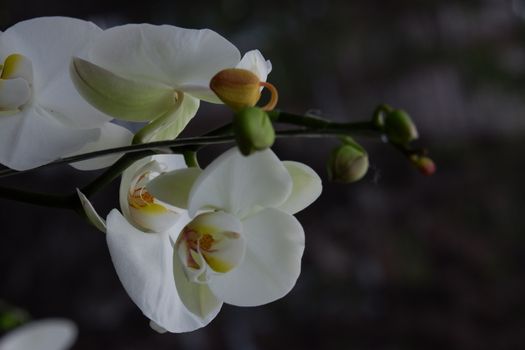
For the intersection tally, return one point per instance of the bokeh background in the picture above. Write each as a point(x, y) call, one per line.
point(396, 261)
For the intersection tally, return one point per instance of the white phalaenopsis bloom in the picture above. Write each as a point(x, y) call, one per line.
point(42, 117)
point(158, 74)
point(227, 235)
point(46, 334)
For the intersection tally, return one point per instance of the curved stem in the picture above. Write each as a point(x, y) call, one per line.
point(42, 199)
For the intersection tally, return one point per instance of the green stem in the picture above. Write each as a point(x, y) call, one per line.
point(312, 127)
point(113, 172)
point(192, 143)
point(42, 199)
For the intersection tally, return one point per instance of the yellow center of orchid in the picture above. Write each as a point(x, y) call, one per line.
point(210, 244)
point(145, 212)
point(16, 79)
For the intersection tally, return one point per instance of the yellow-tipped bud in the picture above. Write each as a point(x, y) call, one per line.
point(241, 88)
point(253, 130)
point(347, 163)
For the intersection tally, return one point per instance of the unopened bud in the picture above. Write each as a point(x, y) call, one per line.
point(399, 127)
point(241, 88)
point(424, 164)
point(347, 163)
point(253, 130)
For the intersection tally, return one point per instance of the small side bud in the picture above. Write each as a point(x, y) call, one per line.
point(347, 163)
point(399, 127)
point(240, 88)
point(253, 130)
point(424, 164)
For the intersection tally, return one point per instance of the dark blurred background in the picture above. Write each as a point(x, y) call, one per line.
point(396, 261)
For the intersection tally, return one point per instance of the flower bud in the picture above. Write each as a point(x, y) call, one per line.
point(253, 130)
point(424, 164)
point(241, 88)
point(399, 127)
point(347, 163)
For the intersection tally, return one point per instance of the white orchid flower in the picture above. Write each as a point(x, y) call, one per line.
point(158, 74)
point(46, 334)
point(227, 235)
point(42, 117)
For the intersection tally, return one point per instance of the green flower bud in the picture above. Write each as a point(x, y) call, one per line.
point(253, 130)
point(399, 127)
point(347, 163)
point(424, 164)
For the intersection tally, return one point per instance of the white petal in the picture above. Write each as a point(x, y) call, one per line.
point(166, 162)
point(144, 264)
point(156, 327)
point(91, 213)
point(272, 262)
point(13, 93)
point(170, 125)
point(46, 334)
point(50, 43)
point(197, 297)
point(120, 97)
point(255, 62)
point(111, 136)
point(171, 55)
point(174, 187)
point(238, 184)
point(307, 186)
point(32, 138)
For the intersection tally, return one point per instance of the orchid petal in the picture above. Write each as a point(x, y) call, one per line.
point(307, 186)
point(122, 98)
point(197, 297)
point(171, 55)
point(50, 42)
point(141, 209)
point(13, 94)
point(170, 125)
point(17, 66)
point(91, 213)
point(239, 184)
point(157, 328)
point(272, 261)
point(174, 187)
point(255, 62)
point(33, 137)
point(46, 334)
point(144, 264)
point(111, 136)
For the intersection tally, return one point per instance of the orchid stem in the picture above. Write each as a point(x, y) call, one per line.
point(311, 127)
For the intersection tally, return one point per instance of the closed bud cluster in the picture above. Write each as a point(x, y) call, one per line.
point(347, 163)
point(399, 127)
point(253, 130)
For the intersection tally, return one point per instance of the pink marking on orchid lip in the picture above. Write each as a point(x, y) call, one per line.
point(190, 238)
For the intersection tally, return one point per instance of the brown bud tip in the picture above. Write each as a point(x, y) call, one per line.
point(237, 88)
point(241, 88)
point(424, 164)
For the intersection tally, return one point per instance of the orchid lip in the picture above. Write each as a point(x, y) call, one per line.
point(212, 244)
point(144, 210)
point(16, 80)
